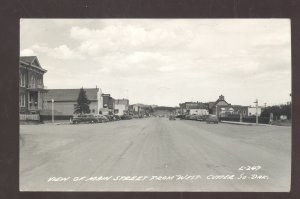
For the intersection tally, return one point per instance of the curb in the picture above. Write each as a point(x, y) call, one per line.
point(245, 124)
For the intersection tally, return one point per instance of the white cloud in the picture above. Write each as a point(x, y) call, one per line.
point(116, 37)
point(27, 52)
point(64, 52)
point(60, 52)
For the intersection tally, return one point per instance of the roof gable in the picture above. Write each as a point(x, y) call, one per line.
point(221, 103)
point(27, 59)
point(70, 95)
point(32, 61)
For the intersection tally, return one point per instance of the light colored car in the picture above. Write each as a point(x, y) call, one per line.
point(212, 119)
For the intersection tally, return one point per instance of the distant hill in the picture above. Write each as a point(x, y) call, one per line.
point(164, 108)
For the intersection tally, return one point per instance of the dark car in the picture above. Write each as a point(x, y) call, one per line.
point(187, 117)
point(116, 117)
point(212, 119)
point(84, 119)
point(201, 118)
point(126, 117)
point(193, 117)
point(109, 117)
point(172, 117)
point(101, 118)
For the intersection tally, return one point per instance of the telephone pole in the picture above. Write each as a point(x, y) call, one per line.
point(52, 100)
point(256, 105)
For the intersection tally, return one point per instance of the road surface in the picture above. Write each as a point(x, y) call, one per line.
point(154, 154)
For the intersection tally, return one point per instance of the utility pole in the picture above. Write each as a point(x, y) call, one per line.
point(256, 104)
point(52, 110)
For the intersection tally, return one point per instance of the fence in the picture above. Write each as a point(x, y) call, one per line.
point(261, 120)
point(29, 117)
point(56, 117)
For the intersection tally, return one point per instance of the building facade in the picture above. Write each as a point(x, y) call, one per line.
point(121, 106)
point(31, 85)
point(65, 100)
point(252, 111)
point(198, 112)
point(107, 105)
point(193, 108)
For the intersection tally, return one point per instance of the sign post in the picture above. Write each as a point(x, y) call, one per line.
point(52, 110)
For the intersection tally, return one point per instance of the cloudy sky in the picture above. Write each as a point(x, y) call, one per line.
point(165, 61)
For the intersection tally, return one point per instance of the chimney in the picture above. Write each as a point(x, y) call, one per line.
point(221, 97)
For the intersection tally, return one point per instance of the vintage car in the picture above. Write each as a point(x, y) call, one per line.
point(201, 118)
point(212, 119)
point(172, 117)
point(84, 118)
point(126, 117)
point(101, 118)
point(109, 117)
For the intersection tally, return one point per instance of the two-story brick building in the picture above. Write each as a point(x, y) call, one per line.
point(31, 86)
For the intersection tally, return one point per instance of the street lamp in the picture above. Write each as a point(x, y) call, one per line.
point(256, 105)
point(52, 100)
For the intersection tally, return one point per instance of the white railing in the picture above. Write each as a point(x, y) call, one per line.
point(24, 117)
point(35, 86)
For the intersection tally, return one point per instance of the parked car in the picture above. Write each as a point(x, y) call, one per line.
point(116, 117)
point(101, 118)
point(212, 119)
point(172, 117)
point(182, 117)
point(187, 117)
point(201, 118)
point(85, 118)
point(104, 119)
point(193, 117)
point(126, 117)
point(109, 117)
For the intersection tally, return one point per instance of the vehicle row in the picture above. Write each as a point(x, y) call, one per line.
point(90, 118)
point(207, 118)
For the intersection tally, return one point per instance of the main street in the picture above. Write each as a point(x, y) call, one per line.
point(154, 147)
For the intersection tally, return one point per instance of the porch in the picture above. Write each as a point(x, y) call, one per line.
point(35, 100)
point(29, 117)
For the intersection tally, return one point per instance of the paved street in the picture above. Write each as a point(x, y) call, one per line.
point(169, 150)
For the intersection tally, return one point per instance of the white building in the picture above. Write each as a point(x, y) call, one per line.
point(252, 111)
point(120, 109)
point(198, 112)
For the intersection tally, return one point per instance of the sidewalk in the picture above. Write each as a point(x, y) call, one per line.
point(245, 123)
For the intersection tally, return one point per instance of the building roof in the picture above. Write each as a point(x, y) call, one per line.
point(70, 95)
point(211, 104)
point(32, 61)
point(28, 59)
point(197, 106)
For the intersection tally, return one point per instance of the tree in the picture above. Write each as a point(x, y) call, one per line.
point(277, 110)
point(82, 105)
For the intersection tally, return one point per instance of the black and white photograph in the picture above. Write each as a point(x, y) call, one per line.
point(155, 105)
